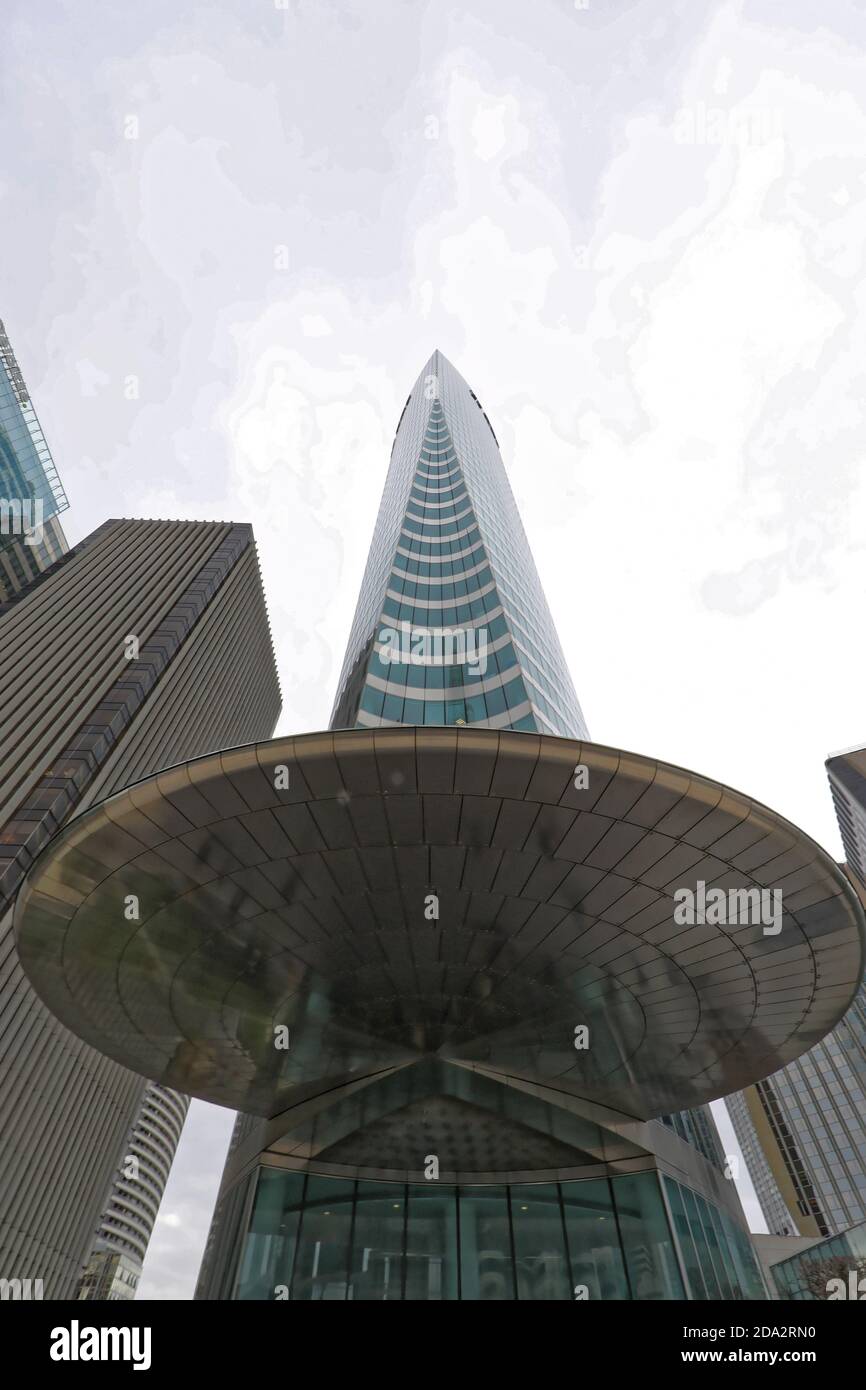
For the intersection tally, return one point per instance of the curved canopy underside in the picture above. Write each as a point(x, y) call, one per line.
point(262, 926)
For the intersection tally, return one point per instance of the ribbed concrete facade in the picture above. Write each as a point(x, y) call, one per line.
point(83, 715)
point(22, 562)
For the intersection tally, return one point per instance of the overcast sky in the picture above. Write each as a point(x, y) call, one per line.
point(234, 231)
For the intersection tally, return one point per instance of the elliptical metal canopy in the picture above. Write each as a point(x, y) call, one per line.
point(264, 925)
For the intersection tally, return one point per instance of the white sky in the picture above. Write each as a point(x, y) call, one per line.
point(637, 229)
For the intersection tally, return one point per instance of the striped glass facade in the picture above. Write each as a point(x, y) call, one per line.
point(452, 626)
point(31, 494)
point(27, 471)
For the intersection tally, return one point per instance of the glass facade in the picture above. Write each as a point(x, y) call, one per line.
point(313, 1237)
point(807, 1275)
point(813, 1111)
point(31, 495)
point(27, 472)
point(698, 1128)
point(742, 1106)
point(452, 626)
point(716, 1252)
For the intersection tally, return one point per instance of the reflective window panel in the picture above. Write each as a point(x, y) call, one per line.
point(313, 1237)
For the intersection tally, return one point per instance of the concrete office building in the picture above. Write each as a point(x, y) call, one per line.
point(125, 1227)
point(434, 954)
point(847, 774)
point(146, 644)
point(22, 561)
point(803, 1130)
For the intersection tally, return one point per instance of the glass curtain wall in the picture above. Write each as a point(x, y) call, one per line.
point(326, 1238)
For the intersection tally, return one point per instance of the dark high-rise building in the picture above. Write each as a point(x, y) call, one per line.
point(146, 644)
point(452, 962)
point(847, 774)
point(114, 1267)
point(803, 1130)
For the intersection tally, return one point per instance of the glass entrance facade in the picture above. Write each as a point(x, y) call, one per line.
point(314, 1237)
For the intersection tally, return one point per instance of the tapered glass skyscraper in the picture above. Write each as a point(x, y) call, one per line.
point(452, 626)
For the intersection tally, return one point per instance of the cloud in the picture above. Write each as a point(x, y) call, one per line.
point(638, 232)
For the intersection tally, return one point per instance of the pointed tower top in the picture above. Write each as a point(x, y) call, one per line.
point(437, 364)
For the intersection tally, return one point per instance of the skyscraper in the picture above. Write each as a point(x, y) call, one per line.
point(773, 1187)
point(114, 1267)
point(31, 494)
point(449, 553)
point(847, 774)
point(451, 960)
point(145, 644)
point(803, 1130)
